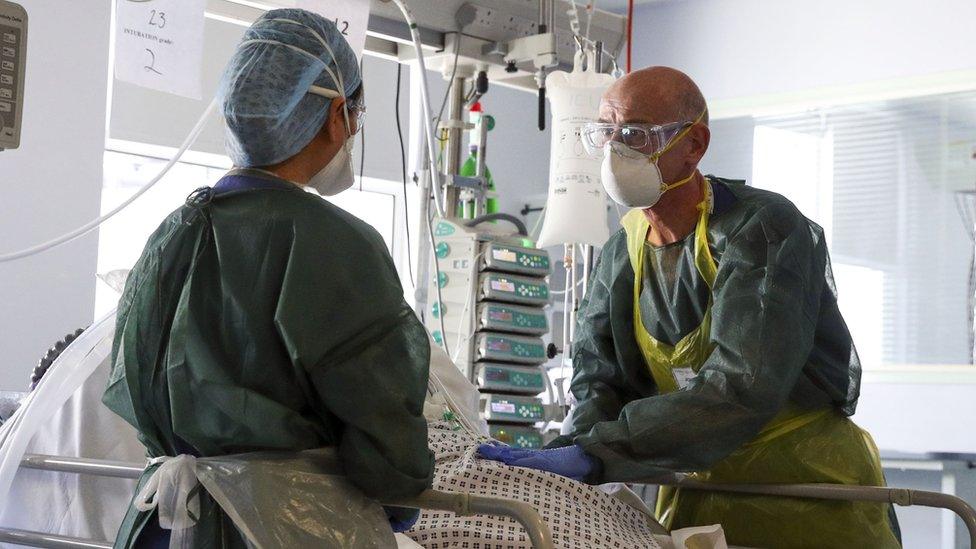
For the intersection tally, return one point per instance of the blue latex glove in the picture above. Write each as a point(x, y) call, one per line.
point(402, 519)
point(569, 461)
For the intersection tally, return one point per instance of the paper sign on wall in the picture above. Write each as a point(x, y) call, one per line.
point(159, 44)
point(350, 16)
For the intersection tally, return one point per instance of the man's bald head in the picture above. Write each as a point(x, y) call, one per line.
point(655, 95)
point(659, 96)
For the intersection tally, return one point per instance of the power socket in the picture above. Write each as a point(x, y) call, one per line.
point(497, 25)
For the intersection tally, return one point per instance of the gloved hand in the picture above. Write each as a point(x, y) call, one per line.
point(569, 461)
point(401, 518)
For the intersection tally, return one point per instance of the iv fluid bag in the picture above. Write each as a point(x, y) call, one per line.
point(576, 210)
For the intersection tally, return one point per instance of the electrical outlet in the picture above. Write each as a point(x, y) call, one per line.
point(498, 25)
point(484, 17)
point(523, 27)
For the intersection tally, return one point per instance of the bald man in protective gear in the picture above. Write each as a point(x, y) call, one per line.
point(710, 341)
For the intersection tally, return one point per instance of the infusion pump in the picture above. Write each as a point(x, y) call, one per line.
point(490, 313)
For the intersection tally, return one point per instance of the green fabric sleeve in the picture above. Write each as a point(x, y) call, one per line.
point(766, 301)
point(344, 320)
point(376, 387)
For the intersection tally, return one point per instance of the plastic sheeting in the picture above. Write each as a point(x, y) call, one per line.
point(451, 392)
point(69, 372)
point(69, 504)
point(9, 402)
point(294, 500)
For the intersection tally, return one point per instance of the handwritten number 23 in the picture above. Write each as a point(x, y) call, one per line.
point(158, 19)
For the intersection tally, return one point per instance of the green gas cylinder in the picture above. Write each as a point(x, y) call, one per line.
point(470, 169)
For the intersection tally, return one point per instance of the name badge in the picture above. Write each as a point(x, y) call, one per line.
point(683, 376)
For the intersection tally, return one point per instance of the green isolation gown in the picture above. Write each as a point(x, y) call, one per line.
point(727, 357)
point(262, 317)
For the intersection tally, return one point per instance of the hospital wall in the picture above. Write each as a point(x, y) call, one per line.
point(53, 182)
point(141, 115)
point(761, 57)
point(769, 49)
point(752, 53)
point(50, 295)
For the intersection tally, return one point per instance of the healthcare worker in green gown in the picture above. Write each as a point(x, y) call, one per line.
point(262, 317)
point(710, 341)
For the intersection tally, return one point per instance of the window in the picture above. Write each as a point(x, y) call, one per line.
point(122, 238)
point(892, 183)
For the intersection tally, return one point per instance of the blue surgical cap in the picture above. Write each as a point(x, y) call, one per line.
point(269, 114)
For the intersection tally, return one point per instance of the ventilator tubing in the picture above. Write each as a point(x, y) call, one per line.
point(91, 226)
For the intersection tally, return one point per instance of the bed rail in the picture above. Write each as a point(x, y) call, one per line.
point(37, 539)
point(898, 496)
point(462, 504)
point(467, 504)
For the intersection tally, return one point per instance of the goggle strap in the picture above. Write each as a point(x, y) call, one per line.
point(323, 92)
point(680, 135)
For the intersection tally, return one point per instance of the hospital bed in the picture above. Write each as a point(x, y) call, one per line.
point(459, 503)
point(95, 350)
point(529, 518)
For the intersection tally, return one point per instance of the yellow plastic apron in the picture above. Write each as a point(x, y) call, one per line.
point(795, 447)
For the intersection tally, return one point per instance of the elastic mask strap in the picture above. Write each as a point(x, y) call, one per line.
point(666, 188)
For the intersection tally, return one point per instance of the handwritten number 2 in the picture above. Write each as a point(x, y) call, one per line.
point(343, 27)
point(151, 67)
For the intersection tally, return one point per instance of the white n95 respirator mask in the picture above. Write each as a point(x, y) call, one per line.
point(632, 178)
point(336, 176)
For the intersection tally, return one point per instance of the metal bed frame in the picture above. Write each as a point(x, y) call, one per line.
point(841, 492)
point(461, 504)
point(467, 504)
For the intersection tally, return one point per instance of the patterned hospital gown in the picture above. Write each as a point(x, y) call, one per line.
point(580, 516)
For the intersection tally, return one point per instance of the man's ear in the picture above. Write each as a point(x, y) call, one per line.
point(699, 136)
point(335, 126)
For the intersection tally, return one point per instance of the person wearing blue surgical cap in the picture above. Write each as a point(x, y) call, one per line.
point(261, 317)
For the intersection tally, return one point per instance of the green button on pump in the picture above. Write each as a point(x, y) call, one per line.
point(442, 279)
point(444, 229)
point(442, 250)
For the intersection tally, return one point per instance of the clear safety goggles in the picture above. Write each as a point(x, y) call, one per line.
point(645, 138)
point(357, 110)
